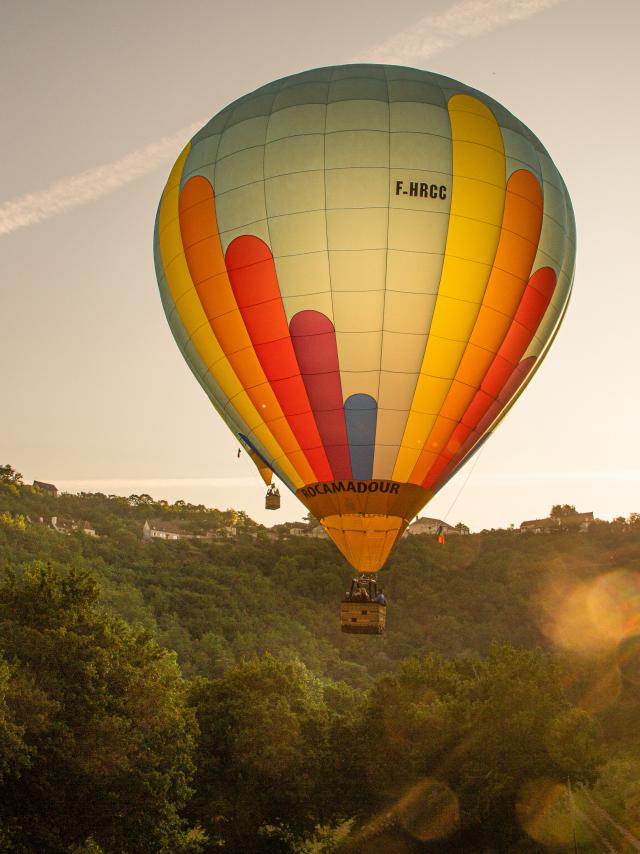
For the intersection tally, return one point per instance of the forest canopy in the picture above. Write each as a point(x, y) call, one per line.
point(198, 695)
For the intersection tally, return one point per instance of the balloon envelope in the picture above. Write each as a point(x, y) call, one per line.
point(363, 266)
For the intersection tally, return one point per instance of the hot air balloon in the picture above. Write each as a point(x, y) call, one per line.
point(364, 266)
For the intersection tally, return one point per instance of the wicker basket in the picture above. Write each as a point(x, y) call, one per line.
point(363, 618)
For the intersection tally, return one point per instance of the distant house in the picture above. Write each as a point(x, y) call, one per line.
point(67, 526)
point(318, 533)
point(49, 488)
point(61, 525)
point(226, 533)
point(539, 526)
point(154, 529)
point(576, 521)
point(425, 525)
point(297, 529)
point(301, 529)
point(87, 529)
point(573, 521)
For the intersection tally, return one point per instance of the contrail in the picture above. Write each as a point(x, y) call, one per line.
point(429, 36)
point(467, 19)
point(75, 190)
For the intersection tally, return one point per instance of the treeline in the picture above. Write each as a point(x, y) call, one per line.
point(114, 516)
point(191, 696)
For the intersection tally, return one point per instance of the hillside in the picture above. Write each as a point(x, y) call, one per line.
point(238, 598)
point(252, 610)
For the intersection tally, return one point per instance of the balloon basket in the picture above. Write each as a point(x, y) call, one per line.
point(363, 618)
point(272, 502)
point(360, 614)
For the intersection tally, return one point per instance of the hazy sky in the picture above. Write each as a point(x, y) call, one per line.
point(99, 98)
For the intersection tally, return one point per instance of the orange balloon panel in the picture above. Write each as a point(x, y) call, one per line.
point(364, 266)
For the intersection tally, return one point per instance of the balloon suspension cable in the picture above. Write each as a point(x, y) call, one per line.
point(247, 459)
point(464, 484)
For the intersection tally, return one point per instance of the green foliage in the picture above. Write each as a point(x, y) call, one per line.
point(266, 729)
point(263, 754)
point(215, 603)
point(10, 521)
point(103, 715)
point(9, 475)
point(618, 788)
point(483, 727)
point(14, 753)
point(558, 511)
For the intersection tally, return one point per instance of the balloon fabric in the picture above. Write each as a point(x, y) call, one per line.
point(364, 266)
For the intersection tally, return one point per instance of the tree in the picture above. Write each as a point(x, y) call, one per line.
point(260, 755)
point(14, 753)
point(104, 718)
point(481, 728)
point(10, 475)
point(559, 511)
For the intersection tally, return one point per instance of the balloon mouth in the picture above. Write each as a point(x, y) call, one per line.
point(364, 518)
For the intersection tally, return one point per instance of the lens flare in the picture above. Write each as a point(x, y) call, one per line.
point(614, 605)
point(429, 810)
point(594, 616)
point(603, 689)
point(544, 812)
point(629, 659)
